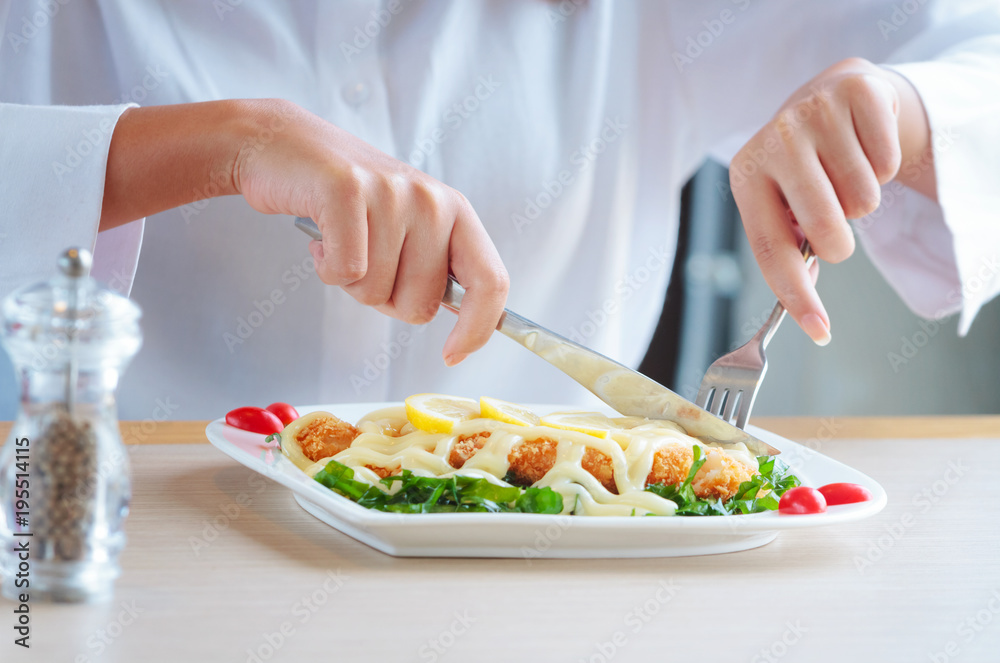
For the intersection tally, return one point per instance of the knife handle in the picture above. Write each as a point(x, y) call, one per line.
point(309, 227)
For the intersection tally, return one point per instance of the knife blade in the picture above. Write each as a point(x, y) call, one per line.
point(628, 392)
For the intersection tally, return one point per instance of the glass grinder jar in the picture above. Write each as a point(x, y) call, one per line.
point(64, 472)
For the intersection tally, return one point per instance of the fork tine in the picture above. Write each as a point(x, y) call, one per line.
point(746, 405)
point(705, 394)
point(719, 401)
point(735, 398)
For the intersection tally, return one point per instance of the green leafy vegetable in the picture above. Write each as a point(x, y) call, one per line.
point(760, 493)
point(418, 494)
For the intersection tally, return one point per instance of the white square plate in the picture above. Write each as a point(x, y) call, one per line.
point(533, 535)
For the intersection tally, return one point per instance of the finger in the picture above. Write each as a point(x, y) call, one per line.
point(874, 110)
point(849, 171)
point(422, 270)
point(344, 224)
point(776, 249)
point(386, 232)
point(811, 198)
point(422, 274)
point(477, 266)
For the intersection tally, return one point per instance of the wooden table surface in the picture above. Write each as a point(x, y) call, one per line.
point(222, 565)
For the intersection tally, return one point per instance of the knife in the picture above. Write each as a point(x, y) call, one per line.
point(628, 392)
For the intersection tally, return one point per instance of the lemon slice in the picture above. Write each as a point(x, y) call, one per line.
point(591, 423)
point(437, 413)
point(511, 413)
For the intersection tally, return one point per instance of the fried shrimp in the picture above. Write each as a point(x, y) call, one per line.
point(325, 436)
point(600, 465)
point(531, 460)
point(720, 476)
point(670, 464)
point(465, 447)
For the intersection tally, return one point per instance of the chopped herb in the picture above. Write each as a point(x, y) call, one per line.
point(760, 493)
point(418, 494)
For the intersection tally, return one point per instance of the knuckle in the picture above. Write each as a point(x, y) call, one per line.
point(459, 198)
point(765, 248)
point(833, 241)
point(385, 186)
point(370, 295)
point(432, 205)
point(819, 99)
point(495, 283)
point(420, 313)
point(426, 196)
point(785, 124)
point(864, 201)
point(350, 188)
point(502, 282)
point(789, 296)
point(346, 272)
point(886, 161)
point(856, 87)
point(744, 172)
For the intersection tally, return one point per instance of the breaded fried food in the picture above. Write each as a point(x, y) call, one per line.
point(384, 472)
point(465, 447)
point(531, 460)
point(671, 465)
point(600, 465)
point(720, 476)
point(325, 436)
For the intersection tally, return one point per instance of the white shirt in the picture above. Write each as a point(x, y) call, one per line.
point(570, 126)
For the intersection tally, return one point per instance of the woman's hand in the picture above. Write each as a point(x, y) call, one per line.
point(390, 232)
point(819, 162)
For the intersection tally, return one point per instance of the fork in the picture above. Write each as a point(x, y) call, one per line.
point(731, 383)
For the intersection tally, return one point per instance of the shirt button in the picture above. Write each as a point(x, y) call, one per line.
point(356, 94)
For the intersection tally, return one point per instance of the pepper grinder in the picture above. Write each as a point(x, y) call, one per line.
point(64, 471)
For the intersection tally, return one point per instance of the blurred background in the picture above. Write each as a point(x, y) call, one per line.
point(883, 359)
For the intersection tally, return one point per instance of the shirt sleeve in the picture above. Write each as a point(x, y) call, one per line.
point(942, 257)
point(53, 161)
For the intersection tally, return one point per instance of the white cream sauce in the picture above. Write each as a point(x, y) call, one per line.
point(631, 449)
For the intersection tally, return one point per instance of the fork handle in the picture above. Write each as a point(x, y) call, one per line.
point(778, 313)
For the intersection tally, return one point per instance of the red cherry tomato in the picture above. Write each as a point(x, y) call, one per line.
point(255, 420)
point(283, 411)
point(845, 493)
point(802, 500)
